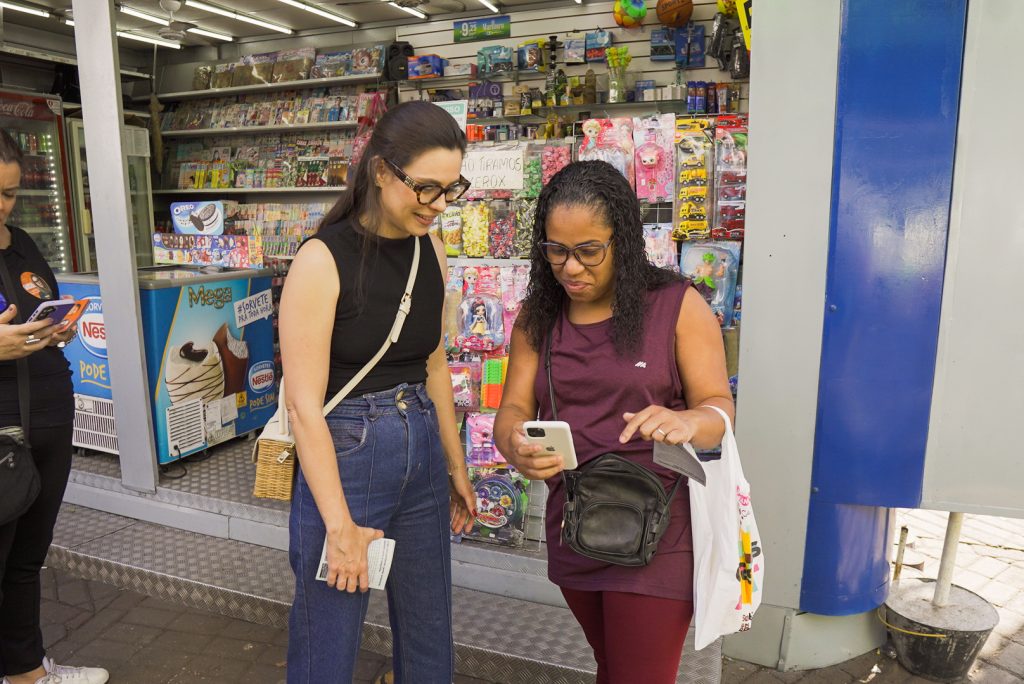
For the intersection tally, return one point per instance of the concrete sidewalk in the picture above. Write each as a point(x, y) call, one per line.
point(148, 641)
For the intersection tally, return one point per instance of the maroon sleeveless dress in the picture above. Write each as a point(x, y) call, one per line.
point(594, 386)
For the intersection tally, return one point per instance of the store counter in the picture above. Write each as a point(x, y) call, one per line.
point(209, 345)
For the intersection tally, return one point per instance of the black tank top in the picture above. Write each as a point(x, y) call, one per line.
point(360, 327)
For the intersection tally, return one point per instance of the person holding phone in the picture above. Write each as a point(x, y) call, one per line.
point(25, 540)
point(634, 349)
point(388, 460)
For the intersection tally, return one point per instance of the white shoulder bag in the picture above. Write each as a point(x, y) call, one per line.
point(274, 453)
point(728, 563)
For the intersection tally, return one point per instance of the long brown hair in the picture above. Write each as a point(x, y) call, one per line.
point(9, 150)
point(403, 133)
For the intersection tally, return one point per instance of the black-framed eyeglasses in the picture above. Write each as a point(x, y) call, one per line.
point(587, 253)
point(427, 193)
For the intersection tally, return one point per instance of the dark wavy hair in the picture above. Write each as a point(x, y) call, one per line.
point(598, 186)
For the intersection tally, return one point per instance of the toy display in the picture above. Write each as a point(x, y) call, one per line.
point(690, 42)
point(492, 382)
point(452, 301)
point(609, 140)
point(494, 59)
point(693, 164)
point(674, 12)
point(713, 268)
point(531, 55)
point(465, 376)
point(597, 44)
point(655, 157)
point(730, 180)
point(502, 502)
point(514, 283)
point(481, 321)
point(661, 249)
point(629, 13)
point(480, 449)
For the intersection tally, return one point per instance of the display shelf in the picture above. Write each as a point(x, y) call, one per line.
point(261, 88)
point(44, 56)
point(486, 261)
point(246, 191)
point(37, 193)
point(501, 77)
point(662, 106)
point(259, 130)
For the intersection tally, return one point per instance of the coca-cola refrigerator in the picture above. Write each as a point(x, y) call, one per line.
point(36, 123)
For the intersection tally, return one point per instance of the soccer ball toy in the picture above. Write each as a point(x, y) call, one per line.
point(630, 13)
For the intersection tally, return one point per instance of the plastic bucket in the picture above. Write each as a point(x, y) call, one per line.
point(938, 643)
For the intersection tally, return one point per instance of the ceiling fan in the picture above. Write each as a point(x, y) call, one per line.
point(175, 30)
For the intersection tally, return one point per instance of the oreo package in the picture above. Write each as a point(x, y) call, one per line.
point(198, 218)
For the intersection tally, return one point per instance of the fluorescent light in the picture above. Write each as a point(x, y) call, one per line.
point(410, 10)
point(26, 10)
point(491, 7)
point(130, 11)
point(237, 16)
point(147, 39)
point(320, 12)
point(211, 34)
point(69, 22)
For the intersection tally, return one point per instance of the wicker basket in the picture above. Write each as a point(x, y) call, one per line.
point(275, 469)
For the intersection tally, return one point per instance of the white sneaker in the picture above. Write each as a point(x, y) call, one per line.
point(45, 679)
point(65, 674)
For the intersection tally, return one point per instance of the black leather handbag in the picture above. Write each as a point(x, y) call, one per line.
point(615, 510)
point(19, 478)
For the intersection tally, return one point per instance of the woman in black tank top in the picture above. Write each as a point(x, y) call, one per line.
point(387, 462)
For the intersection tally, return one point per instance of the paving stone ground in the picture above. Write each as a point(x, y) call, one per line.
point(144, 640)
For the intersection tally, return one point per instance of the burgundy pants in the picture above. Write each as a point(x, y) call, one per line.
point(635, 638)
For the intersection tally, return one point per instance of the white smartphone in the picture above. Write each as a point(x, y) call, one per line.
point(555, 436)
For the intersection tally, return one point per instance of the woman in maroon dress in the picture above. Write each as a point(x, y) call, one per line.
point(636, 354)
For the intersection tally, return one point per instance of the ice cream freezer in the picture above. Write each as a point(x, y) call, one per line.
point(209, 344)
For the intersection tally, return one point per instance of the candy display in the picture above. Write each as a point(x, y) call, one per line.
point(713, 267)
point(229, 251)
point(476, 228)
point(502, 231)
point(609, 140)
point(451, 230)
point(655, 157)
point(526, 211)
point(502, 502)
point(555, 157)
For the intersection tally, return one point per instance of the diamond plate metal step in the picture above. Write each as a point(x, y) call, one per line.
point(539, 644)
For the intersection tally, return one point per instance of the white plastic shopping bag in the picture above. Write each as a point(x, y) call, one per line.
point(728, 564)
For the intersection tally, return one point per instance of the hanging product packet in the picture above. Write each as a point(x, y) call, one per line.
point(713, 267)
point(452, 301)
point(654, 162)
point(597, 44)
point(502, 505)
point(575, 48)
point(609, 140)
point(481, 322)
point(661, 248)
point(693, 170)
point(502, 230)
point(451, 230)
point(526, 213)
point(476, 227)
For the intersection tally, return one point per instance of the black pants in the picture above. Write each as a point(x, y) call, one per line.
point(23, 546)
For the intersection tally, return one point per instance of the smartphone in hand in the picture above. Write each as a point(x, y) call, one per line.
point(59, 311)
point(555, 436)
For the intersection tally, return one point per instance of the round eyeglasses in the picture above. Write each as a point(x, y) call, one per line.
point(588, 253)
point(427, 193)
